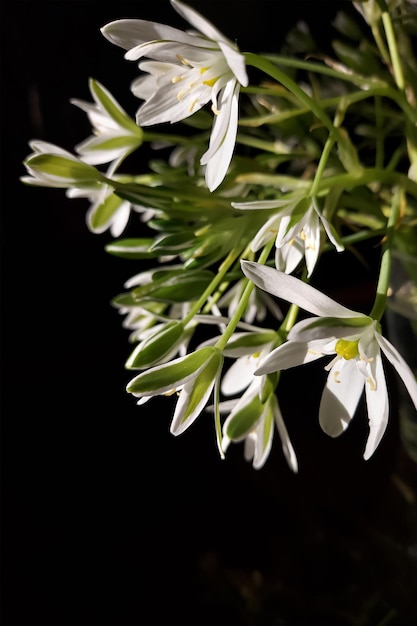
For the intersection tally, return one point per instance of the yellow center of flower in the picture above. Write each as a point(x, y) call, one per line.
point(347, 349)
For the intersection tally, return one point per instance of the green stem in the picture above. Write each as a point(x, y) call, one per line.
point(290, 319)
point(392, 45)
point(322, 164)
point(223, 269)
point(272, 70)
point(379, 147)
point(237, 315)
point(385, 269)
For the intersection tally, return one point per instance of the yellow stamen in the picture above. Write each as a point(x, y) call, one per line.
point(182, 60)
point(347, 349)
point(210, 82)
point(177, 79)
point(371, 383)
point(192, 105)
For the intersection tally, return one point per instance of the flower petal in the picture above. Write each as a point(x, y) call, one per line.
point(288, 355)
point(295, 291)
point(378, 408)
point(340, 397)
point(128, 33)
point(195, 394)
point(402, 367)
point(223, 137)
point(287, 447)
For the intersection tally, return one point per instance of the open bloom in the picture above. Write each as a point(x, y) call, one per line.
point(184, 71)
point(297, 229)
point(355, 342)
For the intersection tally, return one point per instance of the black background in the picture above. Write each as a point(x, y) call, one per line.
point(106, 517)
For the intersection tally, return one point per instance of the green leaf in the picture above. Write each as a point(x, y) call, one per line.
point(153, 349)
point(175, 286)
point(174, 243)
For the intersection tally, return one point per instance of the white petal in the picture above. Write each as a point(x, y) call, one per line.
point(259, 204)
point(288, 255)
point(290, 354)
point(224, 135)
point(198, 21)
point(340, 397)
point(295, 291)
point(178, 426)
point(130, 33)
point(329, 232)
point(287, 447)
point(165, 106)
point(378, 408)
point(120, 219)
point(239, 375)
point(308, 330)
point(265, 233)
point(312, 241)
point(264, 433)
point(236, 62)
point(402, 367)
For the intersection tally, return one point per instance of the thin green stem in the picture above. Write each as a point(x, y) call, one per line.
point(223, 269)
point(272, 70)
point(385, 268)
point(290, 319)
point(392, 45)
point(240, 309)
point(322, 164)
point(379, 147)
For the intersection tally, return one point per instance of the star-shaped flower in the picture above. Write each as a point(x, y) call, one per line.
point(185, 71)
point(297, 228)
point(355, 342)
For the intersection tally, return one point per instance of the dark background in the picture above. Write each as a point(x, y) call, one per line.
point(107, 519)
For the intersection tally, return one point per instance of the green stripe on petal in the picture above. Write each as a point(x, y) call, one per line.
point(164, 378)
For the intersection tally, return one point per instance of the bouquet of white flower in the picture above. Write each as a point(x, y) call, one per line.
point(297, 158)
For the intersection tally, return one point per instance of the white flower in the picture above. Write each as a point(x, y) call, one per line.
point(297, 229)
point(115, 134)
point(193, 376)
point(185, 71)
point(106, 211)
point(355, 341)
point(52, 166)
point(250, 419)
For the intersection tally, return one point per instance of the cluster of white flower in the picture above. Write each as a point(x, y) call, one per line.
point(303, 187)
